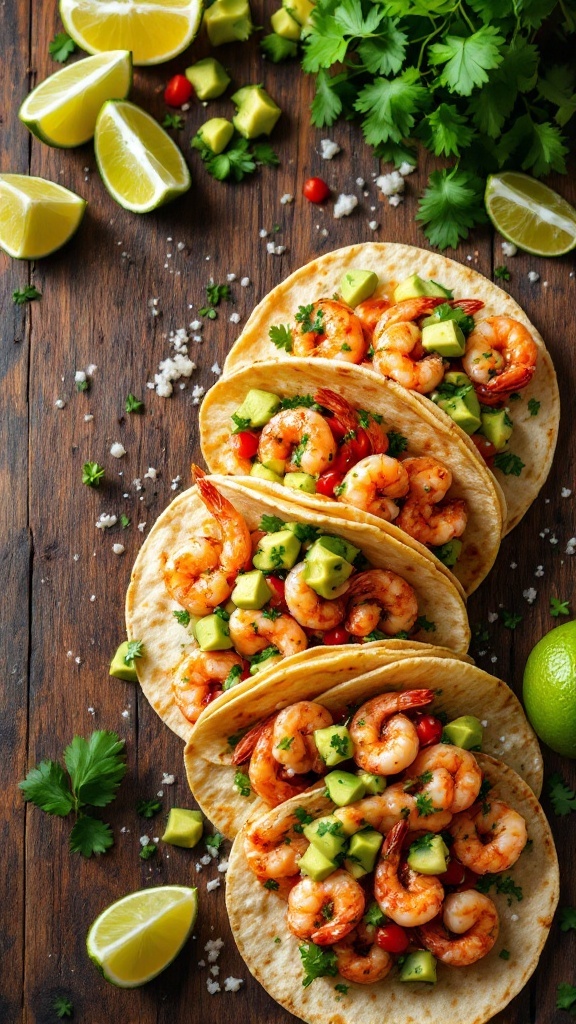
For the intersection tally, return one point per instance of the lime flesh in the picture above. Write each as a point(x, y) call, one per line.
point(36, 216)
point(549, 689)
point(154, 30)
point(530, 214)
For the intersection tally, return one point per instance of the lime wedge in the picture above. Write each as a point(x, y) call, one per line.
point(140, 165)
point(530, 214)
point(138, 936)
point(62, 110)
point(155, 31)
point(36, 216)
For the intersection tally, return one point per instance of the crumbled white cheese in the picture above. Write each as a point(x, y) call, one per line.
point(232, 984)
point(198, 867)
point(223, 866)
point(571, 546)
point(216, 369)
point(151, 473)
point(263, 233)
point(78, 660)
point(328, 149)
point(196, 325)
point(214, 884)
point(395, 200)
point(125, 714)
point(513, 917)
point(105, 521)
point(390, 184)
point(492, 616)
point(275, 250)
point(230, 278)
point(118, 549)
point(373, 225)
point(141, 527)
point(167, 780)
point(533, 277)
point(201, 963)
point(60, 403)
point(206, 860)
point(144, 840)
point(197, 394)
point(406, 168)
point(215, 970)
point(270, 247)
point(93, 598)
point(213, 947)
point(539, 570)
point(79, 377)
point(91, 370)
point(484, 723)
point(175, 483)
point(286, 198)
point(137, 484)
point(344, 205)
point(175, 367)
point(565, 492)
point(509, 249)
point(235, 318)
point(88, 418)
point(553, 540)
point(117, 450)
point(244, 282)
point(360, 182)
point(529, 595)
point(212, 986)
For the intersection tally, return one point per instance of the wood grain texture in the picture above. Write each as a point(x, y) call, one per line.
point(64, 588)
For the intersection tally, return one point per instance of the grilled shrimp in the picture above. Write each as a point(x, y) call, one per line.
point(324, 912)
point(386, 741)
point(337, 333)
point(460, 764)
point(299, 437)
point(293, 738)
point(307, 607)
point(421, 516)
point(267, 853)
point(349, 420)
point(267, 775)
point(466, 931)
point(409, 898)
point(360, 959)
point(396, 804)
point(398, 348)
point(252, 631)
point(199, 678)
point(488, 837)
point(372, 484)
point(380, 599)
point(500, 357)
point(369, 313)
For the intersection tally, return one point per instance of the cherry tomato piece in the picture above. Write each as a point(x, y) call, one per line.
point(178, 91)
point(315, 190)
point(484, 446)
point(470, 880)
point(245, 444)
point(328, 481)
point(337, 427)
point(277, 588)
point(454, 874)
point(338, 635)
point(429, 729)
point(362, 444)
point(392, 938)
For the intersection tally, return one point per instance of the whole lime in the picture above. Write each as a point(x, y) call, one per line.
point(549, 689)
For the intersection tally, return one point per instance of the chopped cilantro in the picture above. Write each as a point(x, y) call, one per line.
point(422, 843)
point(340, 745)
point(277, 49)
point(208, 311)
point(125, 521)
point(133, 404)
point(271, 884)
point(148, 851)
point(566, 996)
point(271, 613)
point(558, 607)
point(423, 623)
point(83, 385)
point(510, 619)
point(504, 884)
point(341, 988)
point(533, 406)
point(567, 919)
point(222, 613)
point(285, 743)
point(214, 841)
point(182, 616)
point(217, 292)
point(148, 808)
point(242, 783)
point(134, 650)
point(61, 47)
point(396, 443)
point(299, 401)
point(317, 962)
point(268, 652)
point(376, 634)
point(306, 533)
point(62, 1007)
point(502, 273)
point(302, 815)
point(308, 323)
point(504, 954)
point(456, 313)
point(299, 450)
point(562, 797)
point(271, 524)
point(27, 294)
point(374, 915)
point(277, 940)
point(240, 158)
point(92, 474)
point(328, 911)
point(175, 121)
point(281, 336)
point(232, 678)
point(424, 805)
point(330, 828)
point(508, 463)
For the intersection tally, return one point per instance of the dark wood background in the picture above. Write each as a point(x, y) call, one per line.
point(56, 641)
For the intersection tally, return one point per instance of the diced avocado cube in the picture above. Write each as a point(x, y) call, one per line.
point(263, 473)
point(228, 21)
point(118, 667)
point(449, 553)
point(465, 732)
point(337, 545)
point(216, 133)
point(344, 788)
point(260, 666)
point(327, 835)
point(300, 482)
point(415, 286)
point(445, 337)
point(212, 634)
point(358, 285)
point(278, 550)
point(497, 427)
point(183, 828)
point(251, 590)
point(374, 784)
point(334, 744)
point(315, 864)
point(362, 852)
point(257, 408)
point(327, 575)
point(457, 378)
point(240, 95)
point(428, 855)
point(208, 78)
point(257, 114)
point(299, 9)
point(419, 966)
point(276, 466)
point(458, 410)
point(285, 25)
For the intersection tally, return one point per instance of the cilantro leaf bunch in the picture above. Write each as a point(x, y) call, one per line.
point(478, 82)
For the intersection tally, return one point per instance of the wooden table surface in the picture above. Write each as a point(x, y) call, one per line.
point(62, 612)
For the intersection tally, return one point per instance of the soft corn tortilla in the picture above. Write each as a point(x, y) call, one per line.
point(365, 389)
point(467, 995)
point(534, 437)
point(149, 607)
point(340, 681)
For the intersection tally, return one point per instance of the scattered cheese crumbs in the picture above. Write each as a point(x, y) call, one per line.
point(79, 377)
point(493, 659)
point(168, 780)
point(215, 970)
point(198, 867)
point(91, 370)
point(529, 595)
point(216, 369)
point(206, 859)
point(197, 393)
point(196, 325)
point(406, 168)
point(212, 851)
point(230, 278)
point(565, 492)
point(201, 963)
point(324, 232)
point(513, 917)
point(328, 149)
point(175, 367)
point(144, 840)
point(213, 947)
point(88, 417)
point(214, 884)
point(344, 205)
point(93, 598)
point(181, 245)
point(395, 200)
point(125, 714)
point(390, 184)
point(533, 277)
point(117, 450)
point(105, 521)
point(212, 986)
point(539, 570)
point(571, 546)
point(513, 565)
point(151, 473)
point(244, 282)
point(509, 249)
point(118, 549)
point(175, 483)
point(141, 527)
point(360, 182)
point(60, 403)
point(232, 984)
point(78, 660)
point(76, 558)
point(484, 723)
point(492, 616)
point(286, 198)
point(373, 225)
point(235, 318)
point(223, 866)
point(263, 233)
point(275, 250)
point(137, 484)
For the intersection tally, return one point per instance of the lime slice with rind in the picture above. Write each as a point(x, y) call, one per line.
point(134, 939)
point(62, 110)
point(529, 214)
point(36, 216)
point(154, 31)
point(141, 166)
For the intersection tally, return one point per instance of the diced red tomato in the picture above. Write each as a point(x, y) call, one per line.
point(429, 728)
point(470, 881)
point(245, 443)
point(245, 670)
point(338, 429)
point(454, 874)
point(352, 451)
point(338, 635)
point(315, 190)
point(178, 91)
point(277, 588)
point(484, 446)
point(328, 481)
point(392, 938)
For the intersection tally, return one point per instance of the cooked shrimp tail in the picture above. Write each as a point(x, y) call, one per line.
point(404, 895)
point(386, 741)
point(466, 931)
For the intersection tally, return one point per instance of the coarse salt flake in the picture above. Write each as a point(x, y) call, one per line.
point(79, 377)
point(286, 198)
point(223, 866)
point(263, 233)
point(492, 616)
point(235, 318)
point(151, 473)
point(571, 546)
point(232, 984)
point(141, 527)
point(117, 450)
point(216, 369)
point(105, 521)
point(509, 249)
point(214, 884)
point(88, 418)
point(529, 595)
point(328, 149)
point(197, 394)
point(213, 947)
point(60, 403)
point(533, 277)
point(539, 570)
point(390, 184)
point(565, 492)
point(230, 278)
point(344, 205)
point(167, 780)
point(118, 549)
point(212, 986)
point(406, 168)
point(196, 325)
point(373, 225)
point(144, 840)
point(245, 282)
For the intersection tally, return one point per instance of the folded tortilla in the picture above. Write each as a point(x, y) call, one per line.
point(466, 995)
point(534, 437)
point(150, 609)
point(349, 679)
point(365, 389)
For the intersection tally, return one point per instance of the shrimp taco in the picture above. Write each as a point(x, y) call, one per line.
point(333, 432)
point(369, 711)
point(389, 919)
point(439, 329)
point(230, 583)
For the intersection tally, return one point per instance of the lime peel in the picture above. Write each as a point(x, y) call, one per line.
point(549, 689)
point(37, 216)
point(529, 214)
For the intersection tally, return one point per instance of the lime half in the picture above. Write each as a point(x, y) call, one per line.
point(140, 164)
point(62, 110)
point(138, 936)
point(530, 214)
point(36, 216)
point(549, 689)
point(154, 30)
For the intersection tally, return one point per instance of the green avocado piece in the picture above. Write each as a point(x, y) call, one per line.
point(419, 966)
point(264, 473)
point(257, 113)
point(374, 784)
point(285, 25)
point(428, 855)
point(327, 574)
point(251, 590)
point(413, 287)
point(257, 409)
point(458, 410)
point(260, 666)
point(460, 380)
point(216, 133)
point(276, 466)
point(445, 337)
point(449, 553)
point(337, 545)
point(241, 94)
point(344, 788)
point(300, 482)
point(212, 634)
point(465, 732)
point(497, 427)
point(278, 550)
point(362, 852)
point(228, 21)
point(299, 9)
point(334, 744)
point(315, 864)
point(358, 285)
point(208, 78)
point(327, 835)
point(118, 667)
point(183, 828)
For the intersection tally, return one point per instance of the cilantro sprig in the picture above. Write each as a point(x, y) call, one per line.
point(61, 47)
point(239, 160)
point(317, 962)
point(27, 294)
